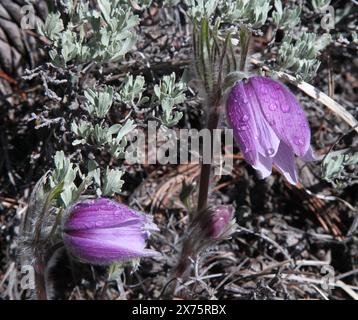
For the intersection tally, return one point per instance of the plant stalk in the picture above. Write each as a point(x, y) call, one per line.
point(245, 36)
point(212, 123)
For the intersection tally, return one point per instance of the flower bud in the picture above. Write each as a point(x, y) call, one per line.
point(222, 222)
point(102, 231)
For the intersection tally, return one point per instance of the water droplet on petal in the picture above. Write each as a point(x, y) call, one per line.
point(285, 107)
point(272, 107)
point(298, 141)
point(245, 117)
point(242, 128)
point(270, 152)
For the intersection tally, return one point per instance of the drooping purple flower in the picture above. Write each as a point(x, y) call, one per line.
point(269, 126)
point(102, 231)
point(223, 223)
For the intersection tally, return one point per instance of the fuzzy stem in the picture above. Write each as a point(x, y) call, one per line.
point(205, 173)
point(40, 281)
point(41, 293)
point(245, 36)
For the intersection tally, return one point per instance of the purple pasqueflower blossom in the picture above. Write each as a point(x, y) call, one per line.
point(222, 223)
point(102, 231)
point(269, 126)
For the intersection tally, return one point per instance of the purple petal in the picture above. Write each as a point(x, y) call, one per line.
point(241, 119)
point(284, 113)
point(252, 132)
point(267, 140)
point(285, 163)
point(103, 246)
point(100, 213)
point(309, 155)
point(263, 166)
point(221, 220)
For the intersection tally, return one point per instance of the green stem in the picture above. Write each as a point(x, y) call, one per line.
point(245, 36)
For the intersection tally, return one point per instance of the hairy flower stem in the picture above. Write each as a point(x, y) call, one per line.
point(213, 119)
point(213, 84)
point(212, 123)
point(188, 249)
point(40, 281)
point(245, 36)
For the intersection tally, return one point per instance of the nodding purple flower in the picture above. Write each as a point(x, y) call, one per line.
point(223, 223)
point(102, 231)
point(269, 126)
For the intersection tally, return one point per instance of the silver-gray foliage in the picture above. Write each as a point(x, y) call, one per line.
point(112, 33)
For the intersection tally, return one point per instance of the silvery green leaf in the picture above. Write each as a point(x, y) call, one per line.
point(157, 91)
point(141, 4)
point(170, 93)
point(114, 128)
point(99, 103)
point(64, 173)
point(318, 4)
point(100, 135)
point(120, 49)
point(94, 172)
point(82, 130)
point(172, 119)
point(52, 26)
point(323, 42)
point(279, 9)
point(198, 9)
point(105, 37)
point(111, 38)
point(105, 7)
point(112, 182)
point(69, 45)
point(127, 128)
point(132, 90)
point(300, 55)
point(335, 162)
point(117, 149)
point(252, 13)
point(118, 144)
point(67, 195)
point(286, 18)
point(171, 3)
